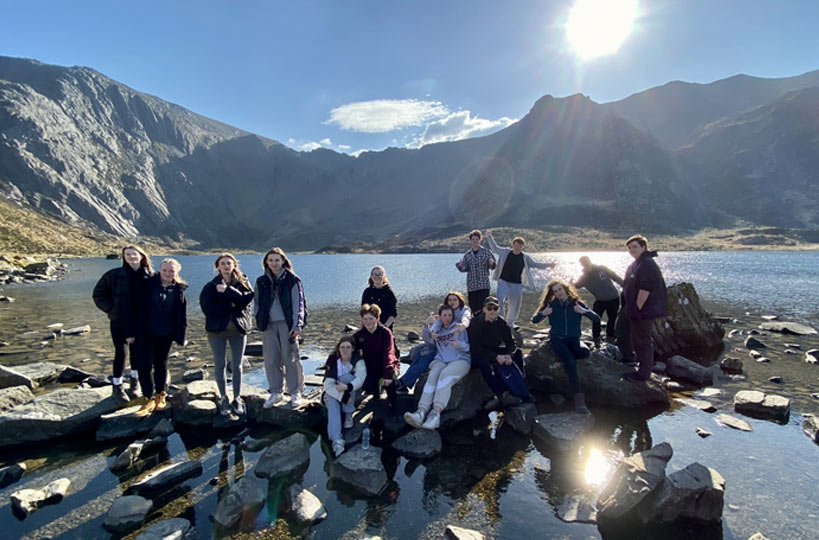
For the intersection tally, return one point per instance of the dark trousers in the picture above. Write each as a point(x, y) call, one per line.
point(154, 357)
point(488, 369)
point(371, 386)
point(609, 307)
point(476, 299)
point(569, 350)
point(635, 342)
point(120, 347)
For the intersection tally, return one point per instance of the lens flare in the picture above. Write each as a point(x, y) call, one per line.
point(598, 468)
point(598, 27)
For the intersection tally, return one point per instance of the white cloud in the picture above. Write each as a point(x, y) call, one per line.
point(291, 140)
point(309, 147)
point(457, 126)
point(344, 147)
point(326, 142)
point(384, 115)
point(359, 152)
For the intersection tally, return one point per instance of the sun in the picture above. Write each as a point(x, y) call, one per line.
point(598, 27)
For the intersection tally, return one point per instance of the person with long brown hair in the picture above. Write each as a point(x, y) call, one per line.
point(380, 293)
point(280, 314)
point(344, 375)
point(117, 293)
point(562, 305)
point(225, 301)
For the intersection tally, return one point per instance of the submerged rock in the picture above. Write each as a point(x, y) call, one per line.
point(169, 529)
point(11, 474)
point(242, 502)
point(459, 533)
point(786, 327)
point(361, 469)
point(680, 367)
point(126, 514)
point(304, 506)
point(135, 450)
point(12, 396)
point(732, 422)
point(26, 501)
point(753, 343)
point(561, 430)
point(284, 457)
point(576, 510)
point(730, 364)
point(760, 405)
point(419, 443)
point(165, 478)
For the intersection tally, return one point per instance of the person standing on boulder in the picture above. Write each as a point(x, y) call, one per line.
point(374, 343)
point(513, 272)
point(565, 310)
point(117, 293)
point(280, 315)
point(644, 299)
point(599, 281)
point(225, 301)
point(476, 263)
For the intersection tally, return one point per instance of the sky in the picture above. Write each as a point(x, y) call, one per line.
point(364, 75)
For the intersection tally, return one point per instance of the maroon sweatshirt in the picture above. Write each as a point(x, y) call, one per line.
point(377, 351)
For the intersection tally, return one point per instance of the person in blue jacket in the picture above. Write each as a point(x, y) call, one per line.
point(565, 310)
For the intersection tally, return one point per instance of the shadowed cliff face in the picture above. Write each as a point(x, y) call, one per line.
point(88, 150)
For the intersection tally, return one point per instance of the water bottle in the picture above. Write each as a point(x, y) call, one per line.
point(365, 438)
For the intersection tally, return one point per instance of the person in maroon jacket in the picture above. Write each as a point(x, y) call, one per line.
point(374, 343)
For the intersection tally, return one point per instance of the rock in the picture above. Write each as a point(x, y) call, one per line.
point(769, 317)
point(730, 364)
point(790, 351)
point(254, 348)
point(348, 328)
point(55, 326)
point(361, 469)
point(135, 450)
point(125, 424)
point(12, 396)
point(733, 422)
point(702, 432)
point(77, 331)
point(40, 372)
point(793, 345)
point(810, 426)
point(763, 360)
point(308, 414)
point(633, 480)
point(562, 429)
point(758, 536)
point(688, 325)
point(194, 375)
point(413, 336)
point(700, 404)
point(815, 395)
point(459, 533)
point(812, 356)
point(165, 478)
point(576, 510)
point(760, 405)
point(97, 381)
point(694, 494)
point(199, 412)
point(163, 429)
point(753, 332)
point(521, 418)
point(419, 443)
point(680, 367)
point(673, 386)
point(753, 343)
point(786, 327)
point(734, 333)
point(659, 367)
point(754, 354)
point(775, 379)
point(304, 506)
point(71, 374)
point(284, 457)
point(708, 393)
point(169, 529)
point(254, 445)
point(200, 390)
point(242, 502)
point(26, 501)
point(55, 414)
point(466, 400)
point(557, 399)
point(126, 514)
point(8, 299)
point(11, 474)
point(228, 422)
point(601, 375)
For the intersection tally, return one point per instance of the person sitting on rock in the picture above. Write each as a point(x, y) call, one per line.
point(344, 376)
point(421, 355)
point(374, 343)
point(498, 358)
point(599, 281)
point(450, 365)
point(563, 307)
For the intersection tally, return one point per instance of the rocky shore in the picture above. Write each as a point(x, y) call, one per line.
point(29, 269)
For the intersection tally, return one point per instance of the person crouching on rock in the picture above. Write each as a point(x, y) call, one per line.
point(344, 376)
point(164, 319)
point(565, 310)
point(117, 293)
point(280, 311)
point(498, 358)
point(450, 365)
point(374, 343)
point(225, 301)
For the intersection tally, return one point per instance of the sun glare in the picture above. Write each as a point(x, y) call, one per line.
point(598, 27)
point(597, 469)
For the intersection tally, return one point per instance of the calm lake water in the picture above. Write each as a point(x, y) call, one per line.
point(509, 487)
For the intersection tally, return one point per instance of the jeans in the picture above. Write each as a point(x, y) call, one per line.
point(569, 350)
point(335, 408)
point(609, 307)
point(218, 345)
point(154, 358)
point(418, 367)
point(514, 293)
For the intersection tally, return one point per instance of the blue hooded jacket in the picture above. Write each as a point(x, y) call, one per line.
point(565, 323)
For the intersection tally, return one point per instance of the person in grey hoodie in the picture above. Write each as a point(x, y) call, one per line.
point(599, 281)
point(451, 364)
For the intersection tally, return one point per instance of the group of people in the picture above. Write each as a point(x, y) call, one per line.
point(147, 313)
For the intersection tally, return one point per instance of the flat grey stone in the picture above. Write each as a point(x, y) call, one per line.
point(419, 443)
point(77, 330)
point(198, 412)
point(304, 506)
point(284, 457)
point(165, 478)
point(40, 372)
point(561, 430)
point(760, 405)
point(127, 514)
point(125, 424)
point(26, 501)
point(12, 377)
point(787, 327)
point(361, 469)
point(732, 422)
point(459, 533)
point(12, 396)
point(243, 501)
point(169, 529)
point(700, 404)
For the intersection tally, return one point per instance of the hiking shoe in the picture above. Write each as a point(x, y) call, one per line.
point(272, 400)
point(338, 447)
point(146, 409)
point(414, 419)
point(295, 400)
point(580, 404)
point(509, 400)
point(119, 394)
point(433, 421)
point(348, 420)
point(239, 406)
point(161, 403)
point(224, 406)
point(634, 376)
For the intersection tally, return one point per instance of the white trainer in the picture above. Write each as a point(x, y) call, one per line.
point(272, 400)
point(338, 447)
point(415, 419)
point(295, 400)
point(432, 421)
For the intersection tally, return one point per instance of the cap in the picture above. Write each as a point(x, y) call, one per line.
point(491, 300)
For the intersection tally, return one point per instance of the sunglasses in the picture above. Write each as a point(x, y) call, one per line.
point(490, 308)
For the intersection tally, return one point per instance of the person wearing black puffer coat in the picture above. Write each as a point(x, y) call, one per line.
point(117, 293)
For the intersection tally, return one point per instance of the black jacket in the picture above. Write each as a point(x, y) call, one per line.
point(221, 308)
point(644, 274)
point(383, 298)
point(117, 293)
point(150, 308)
point(490, 338)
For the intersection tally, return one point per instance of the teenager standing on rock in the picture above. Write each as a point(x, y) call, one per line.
point(344, 375)
point(164, 319)
point(564, 309)
point(513, 273)
point(644, 299)
point(280, 314)
point(599, 281)
point(117, 293)
point(225, 301)
point(374, 343)
point(476, 263)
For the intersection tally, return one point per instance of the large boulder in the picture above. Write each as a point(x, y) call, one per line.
point(694, 494)
point(761, 405)
point(126, 514)
point(125, 424)
point(601, 377)
point(169, 529)
point(687, 326)
point(56, 414)
point(165, 478)
point(243, 501)
point(283, 457)
point(466, 400)
point(26, 501)
point(419, 443)
point(12, 396)
point(561, 430)
point(40, 372)
point(309, 413)
point(680, 367)
point(361, 469)
point(12, 377)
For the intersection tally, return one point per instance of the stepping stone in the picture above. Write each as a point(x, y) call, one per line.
point(733, 422)
point(127, 514)
point(26, 501)
point(700, 404)
point(760, 405)
point(561, 430)
point(165, 478)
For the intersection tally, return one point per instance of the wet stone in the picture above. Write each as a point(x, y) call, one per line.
point(733, 422)
point(575, 509)
point(702, 432)
point(304, 506)
point(760, 405)
point(787, 327)
point(459, 533)
point(11, 474)
point(127, 514)
point(165, 478)
point(753, 343)
point(705, 406)
point(361, 469)
point(561, 430)
point(729, 364)
point(243, 501)
point(26, 501)
point(694, 494)
point(124, 424)
point(284, 457)
point(169, 529)
point(419, 443)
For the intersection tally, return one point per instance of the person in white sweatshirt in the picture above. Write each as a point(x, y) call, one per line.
point(343, 377)
point(450, 365)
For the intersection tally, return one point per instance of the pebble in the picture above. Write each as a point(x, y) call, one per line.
point(702, 432)
point(213, 481)
point(775, 379)
point(763, 359)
